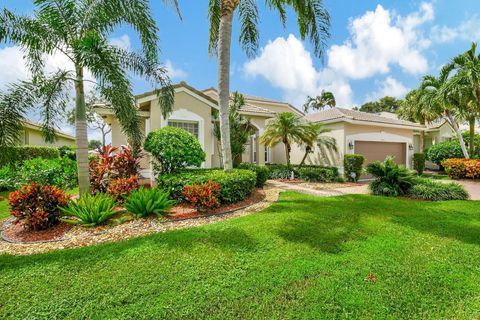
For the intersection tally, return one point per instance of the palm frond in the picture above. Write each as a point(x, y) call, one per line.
point(214, 13)
point(249, 19)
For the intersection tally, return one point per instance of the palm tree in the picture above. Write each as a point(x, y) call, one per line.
point(287, 128)
point(437, 98)
point(314, 137)
point(467, 66)
point(313, 21)
point(79, 29)
point(326, 98)
point(411, 109)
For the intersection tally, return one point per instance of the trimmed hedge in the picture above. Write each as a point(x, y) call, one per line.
point(61, 172)
point(319, 174)
point(426, 189)
point(352, 166)
point(13, 155)
point(419, 162)
point(462, 168)
point(236, 184)
point(262, 172)
point(306, 172)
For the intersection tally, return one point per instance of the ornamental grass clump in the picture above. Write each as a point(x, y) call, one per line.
point(90, 210)
point(145, 202)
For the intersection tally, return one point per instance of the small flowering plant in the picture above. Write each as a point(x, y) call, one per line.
point(38, 205)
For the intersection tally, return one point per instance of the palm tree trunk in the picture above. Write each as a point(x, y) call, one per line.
point(303, 159)
point(287, 153)
point(224, 43)
point(81, 134)
point(459, 135)
point(471, 145)
point(422, 141)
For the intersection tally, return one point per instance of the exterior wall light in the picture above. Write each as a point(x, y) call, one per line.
point(410, 146)
point(350, 145)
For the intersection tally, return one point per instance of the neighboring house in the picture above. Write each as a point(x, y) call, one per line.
point(372, 135)
point(32, 135)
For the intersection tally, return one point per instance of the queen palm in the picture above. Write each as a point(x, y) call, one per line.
point(313, 21)
point(437, 98)
point(411, 109)
point(315, 137)
point(79, 30)
point(286, 128)
point(326, 98)
point(467, 80)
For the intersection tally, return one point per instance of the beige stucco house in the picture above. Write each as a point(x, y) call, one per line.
point(375, 136)
point(32, 135)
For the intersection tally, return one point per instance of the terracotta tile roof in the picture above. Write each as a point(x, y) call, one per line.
point(347, 114)
point(256, 109)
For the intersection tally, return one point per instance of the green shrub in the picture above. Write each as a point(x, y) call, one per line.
point(144, 202)
point(236, 184)
point(352, 166)
point(90, 210)
point(173, 149)
point(391, 179)
point(419, 162)
point(426, 189)
point(262, 172)
point(61, 172)
point(281, 171)
point(68, 152)
point(444, 150)
point(14, 155)
point(318, 174)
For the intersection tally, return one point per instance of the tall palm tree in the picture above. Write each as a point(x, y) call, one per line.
point(313, 21)
point(326, 98)
point(467, 66)
point(438, 99)
point(411, 109)
point(79, 29)
point(314, 137)
point(287, 128)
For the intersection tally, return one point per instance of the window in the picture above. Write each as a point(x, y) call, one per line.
point(268, 155)
point(189, 126)
point(254, 149)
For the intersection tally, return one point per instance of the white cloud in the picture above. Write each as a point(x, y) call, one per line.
point(389, 87)
point(287, 65)
point(123, 42)
point(467, 30)
point(380, 39)
point(174, 73)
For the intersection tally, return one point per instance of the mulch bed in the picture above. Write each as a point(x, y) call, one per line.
point(186, 211)
point(17, 232)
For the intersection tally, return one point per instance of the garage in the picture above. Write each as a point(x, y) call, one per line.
point(378, 151)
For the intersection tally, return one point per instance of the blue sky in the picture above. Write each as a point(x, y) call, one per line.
point(376, 48)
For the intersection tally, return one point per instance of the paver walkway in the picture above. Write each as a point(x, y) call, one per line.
point(360, 189)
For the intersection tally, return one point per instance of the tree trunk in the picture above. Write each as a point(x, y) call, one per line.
point(287, 152)
point(224, 43)
point(81, 134)
point(307, 151)
point(471, 145)
point(459, 135)
point(422, 141)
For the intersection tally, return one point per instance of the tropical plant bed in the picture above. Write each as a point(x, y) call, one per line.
point(78, 236)
point(185, 211)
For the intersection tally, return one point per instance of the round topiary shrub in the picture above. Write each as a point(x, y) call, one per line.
point(352, 166)
point(419, 162)
point(444, 150)
point(173, 149)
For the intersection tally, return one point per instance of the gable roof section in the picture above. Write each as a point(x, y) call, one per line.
point(347, 115)
point(35, 126)
point(254, 99)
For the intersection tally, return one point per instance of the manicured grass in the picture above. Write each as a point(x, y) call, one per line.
point(4, 208)
point(435, 176)
point(304, 257)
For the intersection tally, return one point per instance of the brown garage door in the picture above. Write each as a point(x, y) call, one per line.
point(374, 151)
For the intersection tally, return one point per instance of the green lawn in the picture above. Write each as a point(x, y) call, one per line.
point(304, 257)
point(4, 211)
